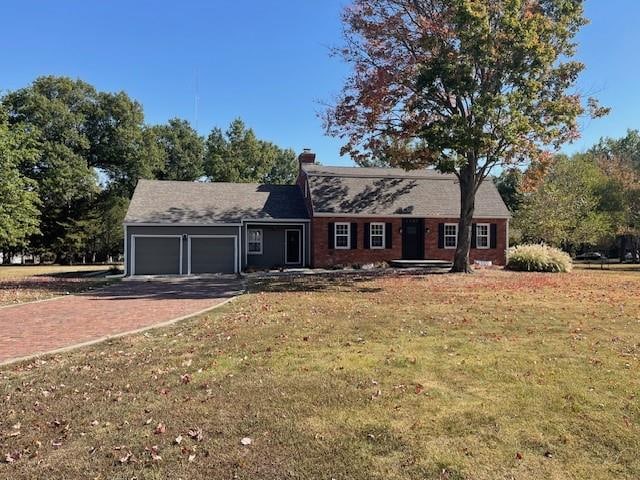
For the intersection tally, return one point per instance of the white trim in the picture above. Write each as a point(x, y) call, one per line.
point(126, 257)
point(261, 241)
point(275, 220)
point(384, 235)
point(217, 224)
point(507, 239)
point(400, 215)
point(133, 248)
point(444, 236)
point(300, 236)
point(281, 223)
point(235, 249)
point(238, 260)
point(335, 236)
point(134, 224)
point(488, 236)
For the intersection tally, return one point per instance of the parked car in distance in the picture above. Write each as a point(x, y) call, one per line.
point(591, 256)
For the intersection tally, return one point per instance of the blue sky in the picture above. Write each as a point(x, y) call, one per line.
point(264, 61)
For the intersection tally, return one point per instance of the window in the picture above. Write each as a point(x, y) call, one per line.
point(450, 235)
point(343, 235)
point(254, 246)
point(376, 235)
point(482, 235)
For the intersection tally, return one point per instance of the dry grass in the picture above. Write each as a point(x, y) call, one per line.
point(19, 284)
point(493, 376)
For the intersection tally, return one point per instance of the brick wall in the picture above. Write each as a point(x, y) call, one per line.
point(497, 255)
point(323, 256)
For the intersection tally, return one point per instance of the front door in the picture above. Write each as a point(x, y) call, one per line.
point(412, 238)
point(293, 250)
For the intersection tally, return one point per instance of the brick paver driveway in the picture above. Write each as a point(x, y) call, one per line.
point(129, 305)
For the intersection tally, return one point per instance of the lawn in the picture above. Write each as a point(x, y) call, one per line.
point(497, 375)
point(19, 284)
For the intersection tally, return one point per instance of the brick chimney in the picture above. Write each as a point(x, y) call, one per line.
point(306, 157)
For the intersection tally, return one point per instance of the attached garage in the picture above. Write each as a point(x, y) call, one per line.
point(157, 255)
point(197, 228)
point(213, 254)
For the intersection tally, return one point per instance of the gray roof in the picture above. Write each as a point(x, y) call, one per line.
point(169, 202)
point(393, 191)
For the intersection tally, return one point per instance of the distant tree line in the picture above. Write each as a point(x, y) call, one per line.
point(586, 201)
point(70, 158)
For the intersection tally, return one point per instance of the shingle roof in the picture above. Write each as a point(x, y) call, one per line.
point(169, 202)
point(393, 191)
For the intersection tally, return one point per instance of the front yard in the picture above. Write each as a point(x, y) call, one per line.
point(493, 376)
point(20, 284)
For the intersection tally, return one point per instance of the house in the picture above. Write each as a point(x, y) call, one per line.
point(331, 216)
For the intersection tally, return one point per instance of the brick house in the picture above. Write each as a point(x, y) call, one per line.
point(363, 215)
point(332, 216)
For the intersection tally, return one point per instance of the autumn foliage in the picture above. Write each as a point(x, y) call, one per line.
point(462, 85)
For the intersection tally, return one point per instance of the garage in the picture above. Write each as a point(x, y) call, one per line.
point(157, 255)
point(212, 254)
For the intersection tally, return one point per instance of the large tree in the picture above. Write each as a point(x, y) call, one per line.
point(462, 85)
point(183, 151)
point(237, 155)
point(620, 161)
point(574, 206)
point(19, 201)
point(56, 110)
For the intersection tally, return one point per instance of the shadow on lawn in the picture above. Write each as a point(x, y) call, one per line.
point(342, 281)
point(170, 289)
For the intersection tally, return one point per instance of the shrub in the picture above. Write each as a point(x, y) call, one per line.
point(538, 258)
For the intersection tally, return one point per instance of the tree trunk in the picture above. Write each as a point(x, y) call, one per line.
point(461, 262)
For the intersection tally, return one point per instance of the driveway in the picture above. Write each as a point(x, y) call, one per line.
point(124, 307)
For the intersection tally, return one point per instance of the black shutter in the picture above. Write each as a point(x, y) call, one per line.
point(494, 235)
point(441, 235)
point(388, 235)
point(354, 236)
point(332, 236)
point(474, 240)
point(367, 235)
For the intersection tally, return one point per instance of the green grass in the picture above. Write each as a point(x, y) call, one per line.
point(490, 376)
point(19, 284)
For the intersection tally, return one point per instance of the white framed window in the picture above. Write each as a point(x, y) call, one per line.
point(376, 235)
point(342, 235)
point(254, 241)
point(450, 235)
point(482, 235)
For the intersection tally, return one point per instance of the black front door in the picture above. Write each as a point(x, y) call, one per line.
point(413, 238)
point(293, 246)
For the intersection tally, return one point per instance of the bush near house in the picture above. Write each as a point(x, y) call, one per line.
point(538, 258)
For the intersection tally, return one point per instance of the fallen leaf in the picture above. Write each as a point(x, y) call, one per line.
point(246, 441)
point(161, 428)
point(178, 440)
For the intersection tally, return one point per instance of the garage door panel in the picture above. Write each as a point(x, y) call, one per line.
point(213, 255)
point(157, 256)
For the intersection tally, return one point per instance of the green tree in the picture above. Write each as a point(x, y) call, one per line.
point(620, 161)
point(183, 151)
point(571, 208)
point(509, 184)
point(237, 155)
point(462, 85)
point(19, 201)
point(120, 145)
point(56, 110)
